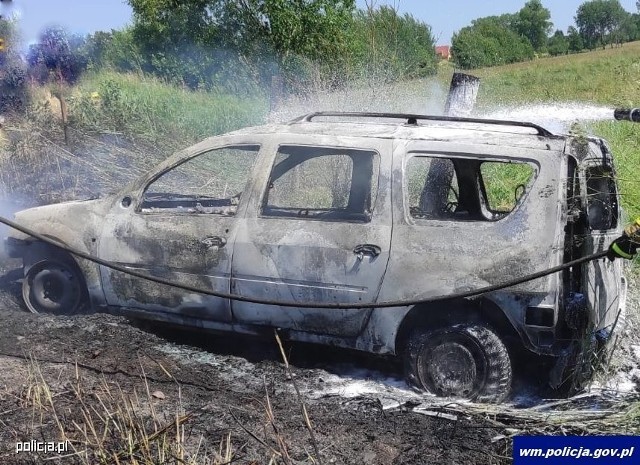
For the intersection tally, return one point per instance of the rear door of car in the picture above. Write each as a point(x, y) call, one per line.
point(179, 224)
point(317, 229)
point(603, 280)
point(468, 216)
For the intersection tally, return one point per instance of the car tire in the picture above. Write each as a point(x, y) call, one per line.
point(55, 285)
point(465, 360)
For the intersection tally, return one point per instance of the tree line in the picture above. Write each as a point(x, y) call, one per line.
point(509, 38)
point(239, 45)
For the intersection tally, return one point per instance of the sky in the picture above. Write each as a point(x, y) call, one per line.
point(444, 16)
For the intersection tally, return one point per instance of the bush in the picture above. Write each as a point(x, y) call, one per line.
point(14, 94)
point(389, 46)
point(487, 42)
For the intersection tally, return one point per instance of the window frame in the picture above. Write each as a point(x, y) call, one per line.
point(373, 187)
point(613, 194)
point(482, 196)
point(257, 147)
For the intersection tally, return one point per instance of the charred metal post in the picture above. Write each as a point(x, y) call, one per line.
point(462, 95)
point(460, 102)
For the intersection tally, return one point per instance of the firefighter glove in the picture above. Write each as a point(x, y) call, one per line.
point(626, 245)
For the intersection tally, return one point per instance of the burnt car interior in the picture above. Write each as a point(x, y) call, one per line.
point(595, 210)
point(322, 183)
point(602, 201)
point(465, 189)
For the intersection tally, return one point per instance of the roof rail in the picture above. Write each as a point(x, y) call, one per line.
point(413, 119)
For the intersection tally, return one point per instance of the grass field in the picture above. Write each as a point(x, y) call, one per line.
point(609, 77)
point(148, 108)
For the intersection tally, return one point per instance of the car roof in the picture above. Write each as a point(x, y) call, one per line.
point(423, 127)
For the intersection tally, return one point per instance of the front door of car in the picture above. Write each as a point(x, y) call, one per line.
point(180, 226)
point(319, 230)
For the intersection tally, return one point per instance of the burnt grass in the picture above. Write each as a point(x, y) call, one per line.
point(121, 391)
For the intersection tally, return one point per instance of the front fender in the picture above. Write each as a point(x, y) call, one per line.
point(74, 224)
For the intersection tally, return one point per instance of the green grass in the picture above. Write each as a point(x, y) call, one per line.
point(624, 140)
point(148, 108)
point(608, 77)
point(505, 183)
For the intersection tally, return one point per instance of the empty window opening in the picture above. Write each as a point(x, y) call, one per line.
point(602, 201)
point(505, 184)
point(322, 183)
point(210, 183)
point(464, 188)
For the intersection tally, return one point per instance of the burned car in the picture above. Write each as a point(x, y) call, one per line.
point(359, 209)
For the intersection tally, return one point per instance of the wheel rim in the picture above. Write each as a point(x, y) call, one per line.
point(453, 366)
point(52, 287)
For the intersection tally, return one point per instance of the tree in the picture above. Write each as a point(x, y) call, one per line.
point(13, 82)
point(533, 21)
point(199, 40)
point(489, 42)
point(57, 59)
point(558, 44)
point(56, 56)
point(117, 49)
point(627, 30)
point(384, 45)
point(597, 20)
point(574, 39)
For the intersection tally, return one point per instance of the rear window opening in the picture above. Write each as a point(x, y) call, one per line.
point(465, 189)
point(602, 199)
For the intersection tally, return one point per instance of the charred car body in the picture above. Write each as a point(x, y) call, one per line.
point(359, 208)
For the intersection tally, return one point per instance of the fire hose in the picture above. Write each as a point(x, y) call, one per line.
point(287, 303)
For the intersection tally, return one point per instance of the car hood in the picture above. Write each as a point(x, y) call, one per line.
point(77, 217)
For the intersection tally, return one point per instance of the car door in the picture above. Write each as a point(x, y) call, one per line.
point(180, 226)
point(318, 230)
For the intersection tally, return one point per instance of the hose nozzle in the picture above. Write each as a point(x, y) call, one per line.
point(626, 114)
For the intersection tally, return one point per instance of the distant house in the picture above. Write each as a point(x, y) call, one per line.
point(444, 52)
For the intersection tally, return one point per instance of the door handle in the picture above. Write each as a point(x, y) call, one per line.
point(214, 241)
point(367, 249)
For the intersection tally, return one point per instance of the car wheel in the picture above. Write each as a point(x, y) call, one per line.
point(54, 286)
point(466, 360)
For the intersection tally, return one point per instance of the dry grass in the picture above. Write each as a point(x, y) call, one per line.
point(107, 424)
